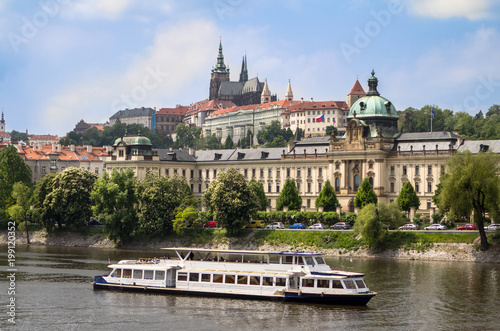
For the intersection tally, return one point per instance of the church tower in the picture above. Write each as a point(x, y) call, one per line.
point(289, 93)
point(219, 74)
point(266, 94)
point(244, 70)
point(2, 124)
point(356, 93)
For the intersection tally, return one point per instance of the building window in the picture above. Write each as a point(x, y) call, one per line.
point(337, 184)
point(429, 170)
point(392, 187)
point(320, 172)
point(308, 187)
point(337, 166)
point(442, 170)
point(96, 171)
point(298, 187)
point(199, 188)
point(319, 187)
point(308, 203)
point(404, 170)
point(428, 203)
point(192, 173)
point(392, 170)
point(253, 173)
point(120, 153)
point(277, 172)
point(370, 180)
point(269, 187)
point(287, 172)
point(417, 170)
point(192, 187)
point(270, 173)
point(215, 173)
point(262, 173)
point(207, 174)
point(309, 171)
point(175, 171)
point(206, 186)
point(356, 182)
point(43, 169)
point(298, 172)
point(199, 173)
point(246, 173)
point(53, 164)
point(183, 172)
point(166, 172)
point(429, 187)
point(417, 187)
point(370, 165)
point(277, 187)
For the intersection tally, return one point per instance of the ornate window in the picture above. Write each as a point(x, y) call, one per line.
point(356, 182)
point(337, 184)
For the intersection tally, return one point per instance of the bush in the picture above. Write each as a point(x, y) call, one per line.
point(437, 217)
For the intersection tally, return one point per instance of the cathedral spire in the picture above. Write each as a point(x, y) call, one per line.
point(220, 67)
point(289, 93)
point(244, 71)
point(266, 94)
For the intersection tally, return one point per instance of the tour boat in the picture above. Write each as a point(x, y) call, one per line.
point(243, 274)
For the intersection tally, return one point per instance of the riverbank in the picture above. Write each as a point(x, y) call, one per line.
point(468, 252)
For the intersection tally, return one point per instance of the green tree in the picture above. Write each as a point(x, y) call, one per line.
point(43, 211)
point(331, 129)
point(258, 190)
point(113, 203)
point(228, 144)
point(12, 170)
point(185, 217)
point(69, 198)
point(186, 136)
point(369, 225)
point(390, 214)
point(230, 200)
point(272, 135)
point(327, 198)
point(18, 212)
point(159, 197)
point(365, 194)
point(18, 136)
point(289, 196)
point(407, 198)
point(473, 184)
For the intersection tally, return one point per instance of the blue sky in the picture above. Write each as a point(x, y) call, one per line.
point(66, 60)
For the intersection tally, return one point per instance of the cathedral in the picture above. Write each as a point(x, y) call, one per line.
point(243, 92)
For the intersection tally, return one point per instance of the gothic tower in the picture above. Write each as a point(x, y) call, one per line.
point(244, 71)
point(2, 124)
point(266, 94)
point(289, 93)
point(356, 93)
point(219, 74)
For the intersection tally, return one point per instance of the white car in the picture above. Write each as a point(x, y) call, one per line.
point(275, 225)
point(409, 226)
point(435, 226)
point(492, 227)
point(317, 226)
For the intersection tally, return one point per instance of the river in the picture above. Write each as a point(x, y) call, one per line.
point(53, 291)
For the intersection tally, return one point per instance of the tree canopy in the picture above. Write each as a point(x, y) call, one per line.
point(13, 169)
point(272, 135)
point(370, 226)
point(289, 196)
point(407, 197)
point(230, 200)
point(327, 198)
point(473, 184)
point(258, 190)
point(365, 194)
point(187, 136)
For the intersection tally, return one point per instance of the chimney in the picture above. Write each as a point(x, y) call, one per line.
point(89, 149)
point(72, 148)
point(312, 100)
point(58, 147)
point(53, 148)
point(301, 100)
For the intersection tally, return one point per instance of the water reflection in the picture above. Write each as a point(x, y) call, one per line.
point(54, 293)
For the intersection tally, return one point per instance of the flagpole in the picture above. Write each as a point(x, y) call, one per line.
point(432, 111)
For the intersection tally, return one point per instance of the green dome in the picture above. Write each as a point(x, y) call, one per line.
point(134, 141)
point(373, 106)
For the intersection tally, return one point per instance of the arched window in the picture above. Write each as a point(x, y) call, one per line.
point(337, 184)
point(371, 181)
point(356, 182)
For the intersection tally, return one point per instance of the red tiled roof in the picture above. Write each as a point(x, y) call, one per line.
point(80, 153)
point(4, 134)
point(43, 137)
point(209, 105)
point(280, 103)
point(357, 89)
point(315, 105)
point(179, 110)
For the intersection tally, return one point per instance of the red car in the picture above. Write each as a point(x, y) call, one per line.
point(211, 224)
point(467, 227)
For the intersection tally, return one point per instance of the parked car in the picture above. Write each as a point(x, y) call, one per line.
point(470, 226)
point(409, 226)
point(297, 226)
point(435, 226)
point(256, 224)
point(93, 222)
point(340, 226)
point(492, 227)
point(275, 225)
point(317, 226)
point(210, 224)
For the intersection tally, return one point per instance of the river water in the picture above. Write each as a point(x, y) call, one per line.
point(53, 291)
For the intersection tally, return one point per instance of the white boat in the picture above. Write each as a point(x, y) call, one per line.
point(286, 276)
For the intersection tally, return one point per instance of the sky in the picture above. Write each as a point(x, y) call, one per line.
point(62, 61)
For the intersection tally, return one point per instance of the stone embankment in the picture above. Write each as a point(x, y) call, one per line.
point(437, 252)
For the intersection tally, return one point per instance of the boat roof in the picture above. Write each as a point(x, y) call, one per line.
point(244, 252)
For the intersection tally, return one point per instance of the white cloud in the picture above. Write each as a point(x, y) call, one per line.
point(444, 9)
point(89, 9)
point(173, 69)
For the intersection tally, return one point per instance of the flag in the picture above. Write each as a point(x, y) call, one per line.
point(432, 112)
point(109, 261)
point(320, 118)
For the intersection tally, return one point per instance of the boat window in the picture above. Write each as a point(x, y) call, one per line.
point(255, 280)
point(320, 260)
point(323, 283)
point(274, 259)
point(159, 275)
point(280, 281)
point(229, 279)
point(300, 260)
point(242, 280)
point(360, 283)
point(148, 274)
point(349, 284)
point(218, 278)
point(205, 277)
point(182, 276)
point(306, 282)
point(194, 277)
point(116, 273)
point(337, 284)
point(127, 273)
point(138, 274)
point(309, 261)
point(288, 259)
point(267, 281)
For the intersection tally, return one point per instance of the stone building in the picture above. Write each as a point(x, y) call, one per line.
point(144, 116)
point(167, 119)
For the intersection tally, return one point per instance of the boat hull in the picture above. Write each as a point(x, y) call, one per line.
point(354, 299)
